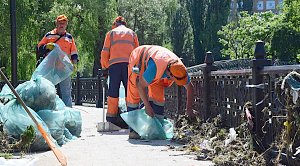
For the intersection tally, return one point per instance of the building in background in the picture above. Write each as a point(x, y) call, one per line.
point(253, 6)
point(267, 5)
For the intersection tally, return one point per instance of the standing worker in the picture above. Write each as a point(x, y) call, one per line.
point(118, 44)
point(155, 67)
point(66, 42)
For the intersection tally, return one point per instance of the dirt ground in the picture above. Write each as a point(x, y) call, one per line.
point(114, 148)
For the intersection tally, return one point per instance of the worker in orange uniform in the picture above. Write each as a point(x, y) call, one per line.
point(66, 43)
point(118, 44)
point(155, 67)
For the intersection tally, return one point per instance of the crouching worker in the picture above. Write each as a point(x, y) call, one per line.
point(155, 68)
point(118, 44)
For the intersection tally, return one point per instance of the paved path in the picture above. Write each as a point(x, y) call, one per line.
point(114, 148)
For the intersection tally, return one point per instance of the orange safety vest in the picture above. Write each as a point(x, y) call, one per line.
point(66, 42)
point(118, 44)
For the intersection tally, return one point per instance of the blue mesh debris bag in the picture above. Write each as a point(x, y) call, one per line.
point(56, 66)
point(147, 127)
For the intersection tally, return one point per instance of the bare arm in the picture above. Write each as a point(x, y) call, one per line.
point(190, 99)
point(142, 85)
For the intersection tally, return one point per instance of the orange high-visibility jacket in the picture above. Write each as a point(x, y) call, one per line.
point(118, 44)
point(139, 59)
point(160, 55)
point(66, 42)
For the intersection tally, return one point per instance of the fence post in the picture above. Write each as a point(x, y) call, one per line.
point(209, 60)
point(99, 103)
point(257, 65)
point(77, 95)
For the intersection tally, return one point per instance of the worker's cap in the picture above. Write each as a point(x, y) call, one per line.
point(178, 72)
point(61, 18)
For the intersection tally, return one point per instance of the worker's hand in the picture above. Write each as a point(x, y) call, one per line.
point(149, 111)
point(192, 114)
point(249, 118)
point(104, 73)
point(50, 46)
point(74, 58)
point(74, 61)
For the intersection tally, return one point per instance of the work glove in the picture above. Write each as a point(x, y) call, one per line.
point(74, 58)
point(104, 73)
point(50, 46)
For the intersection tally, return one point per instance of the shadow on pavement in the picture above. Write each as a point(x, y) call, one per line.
point(120, 132)
point(154, 142)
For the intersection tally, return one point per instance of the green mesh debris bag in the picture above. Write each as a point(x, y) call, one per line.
point(73, 121)
point(56, 66)
point(16, 120)
point(147, 127)
point(64, 124)
point(59, 103)
point(55, 121)
point(38, 94)
point(1, 105)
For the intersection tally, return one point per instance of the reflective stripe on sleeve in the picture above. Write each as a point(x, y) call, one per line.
point(105, 49)
point(74, 52)
point(132, 105)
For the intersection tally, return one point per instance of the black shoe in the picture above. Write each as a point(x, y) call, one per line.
point(118, 121)
point(134, 135)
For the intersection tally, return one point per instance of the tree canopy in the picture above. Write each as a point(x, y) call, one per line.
point(188, 28)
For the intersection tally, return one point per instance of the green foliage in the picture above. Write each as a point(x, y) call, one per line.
point(292, 13)
point(6, 155)
point(279, 32)
point(5, 36)
point(207, 17)
point(27, 137)
point(238, 38)
point(5, 146)
point(286, 43)
point(180, 32)
point(86, 19)
point(189, 28)
point(147, 18)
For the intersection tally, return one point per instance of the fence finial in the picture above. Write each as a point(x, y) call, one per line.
point(260, 52)
point(209, 58)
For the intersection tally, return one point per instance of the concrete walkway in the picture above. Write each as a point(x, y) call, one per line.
point(114, 148)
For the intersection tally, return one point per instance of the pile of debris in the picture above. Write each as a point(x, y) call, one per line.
point(210, 141)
